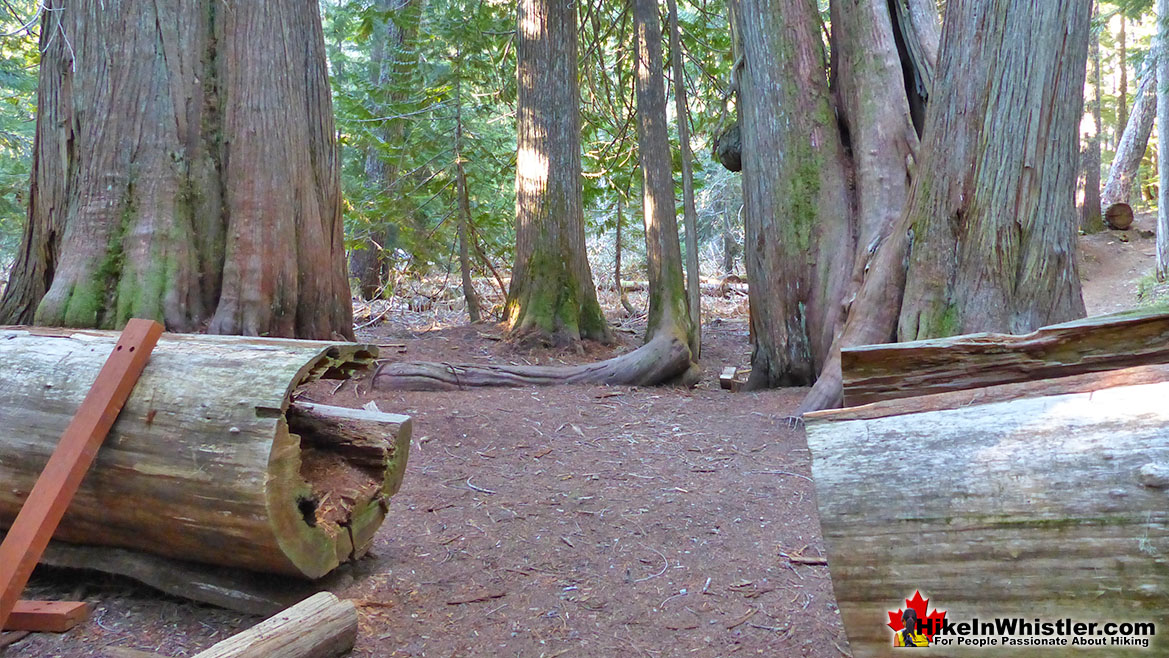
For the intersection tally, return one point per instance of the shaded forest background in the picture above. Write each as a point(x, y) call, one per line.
point(408, 76)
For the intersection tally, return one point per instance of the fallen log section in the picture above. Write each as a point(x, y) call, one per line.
point(211, 459)
point(1041, 499)
point(900, 370)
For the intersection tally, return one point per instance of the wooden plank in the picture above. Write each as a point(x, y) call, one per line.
point(321, 626)
point(61, 477)
point(1049, 507)
point(46, 616)
point(873, 373)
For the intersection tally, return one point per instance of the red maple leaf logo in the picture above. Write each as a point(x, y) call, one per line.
point(931, 622)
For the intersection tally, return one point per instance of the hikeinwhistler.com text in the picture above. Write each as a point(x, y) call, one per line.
point(1019, 632)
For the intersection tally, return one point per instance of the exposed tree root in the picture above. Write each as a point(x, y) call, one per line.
point(664, 359)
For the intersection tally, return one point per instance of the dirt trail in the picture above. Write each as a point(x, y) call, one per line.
point(574, 521)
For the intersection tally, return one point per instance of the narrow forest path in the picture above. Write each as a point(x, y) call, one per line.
point(1113, 265)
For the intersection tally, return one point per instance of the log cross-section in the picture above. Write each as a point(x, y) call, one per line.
point(210, 460)
point(71, 458)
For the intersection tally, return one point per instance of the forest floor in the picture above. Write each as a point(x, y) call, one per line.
point(573, 521)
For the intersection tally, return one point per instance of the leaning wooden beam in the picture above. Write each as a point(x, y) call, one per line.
point(1051, 506)
point(901, 370)
point(202, 464)
point(69, 461)
point(319, 627)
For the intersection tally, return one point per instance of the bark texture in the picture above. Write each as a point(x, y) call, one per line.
point(210, 460)
point(1134, 141)
point(795, 191)
point(690, 215)
point(175, 178)
point(987, 242)
point(552, 297)
point(1050, 504)
point(993, 211)
point(668, 307)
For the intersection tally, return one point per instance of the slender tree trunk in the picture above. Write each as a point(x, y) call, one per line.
point(617, 260)
point(1091, 220)
point(176, 178)
point(1162, 269)
point(1122, 86)
point(668, 313)
point(989, 230)
point(395, 26)
point(463, 202)
point(1134, 141)
point(690, 216)
point(552, 297)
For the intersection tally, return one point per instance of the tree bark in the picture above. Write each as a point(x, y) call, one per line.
point(1162, 38)
point(1134, 141)
point(668, 312)
point(552, 297)
point(1066, 486)
point(1091, 219)
point(177, 179)
point(690, 215)
point(799, 241)
point(987, 242)
point(210, 459)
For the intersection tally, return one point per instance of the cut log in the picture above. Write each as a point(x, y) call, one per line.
point(900, 370)
point(319, 627)
point(1119, 216)
point(1050, 507)
point(202, 465)
point(664, 359)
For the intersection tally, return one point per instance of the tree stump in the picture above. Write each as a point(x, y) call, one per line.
point(1119, 216)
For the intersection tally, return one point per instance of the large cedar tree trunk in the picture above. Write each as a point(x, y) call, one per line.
point(989, 230)
point(552, 297)
point(825, 173)
point(796, 206)
point(176, 178)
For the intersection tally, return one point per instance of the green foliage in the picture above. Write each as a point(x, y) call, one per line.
point(19, 58)
point(455, 64)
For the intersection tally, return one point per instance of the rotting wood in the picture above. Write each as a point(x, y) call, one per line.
point(70, 458)
point(321, 626)
point(1024, 507)
point(901, 370)
point(202, 465)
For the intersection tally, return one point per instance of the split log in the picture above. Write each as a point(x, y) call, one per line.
point(319, 627)
point(1050, 506)
point(899, 370)
point(664, 359)
point(210, 459)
